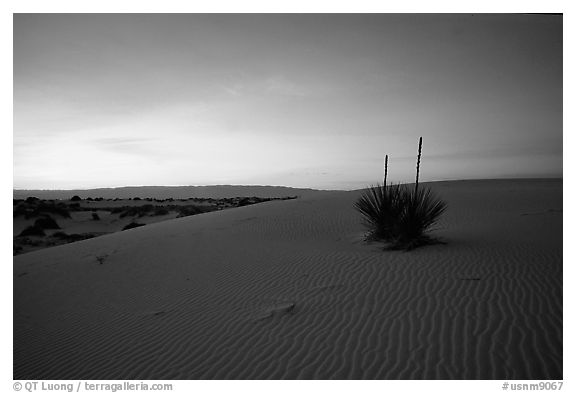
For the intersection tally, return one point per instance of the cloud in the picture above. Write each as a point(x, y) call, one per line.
point(283, 86)
point(125, 145)
point(275, 85)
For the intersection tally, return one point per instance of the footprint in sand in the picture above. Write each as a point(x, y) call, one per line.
point(275, 310)
point(153, 314)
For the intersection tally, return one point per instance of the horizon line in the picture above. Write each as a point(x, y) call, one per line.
point(284, 186)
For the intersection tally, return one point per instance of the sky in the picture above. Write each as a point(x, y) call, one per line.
point(300, 100)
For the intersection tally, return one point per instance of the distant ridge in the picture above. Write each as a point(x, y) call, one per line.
point(177, 192)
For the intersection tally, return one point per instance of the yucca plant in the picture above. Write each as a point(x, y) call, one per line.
point(381, 207)
point(421, 210)
point(400, 215)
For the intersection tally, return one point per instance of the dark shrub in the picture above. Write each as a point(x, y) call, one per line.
point(46, 222)
point(139, 211)
point(21, 210)
point(133, 225)
point(145, 210)
point(60, 235)
point(32, 200)
point(32, 231)
point(116, 210)
point(74, 237)
point(75, 198)
point(245, 202)
point(95, 217)
point(161, 211)
point(190, 210)
point(60, 209)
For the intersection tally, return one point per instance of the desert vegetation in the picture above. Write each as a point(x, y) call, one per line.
point(43, 223)
point(34, 207)
point(133, 224)
point(401, 215)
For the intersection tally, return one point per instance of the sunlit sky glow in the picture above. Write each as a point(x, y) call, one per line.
point(107, 100)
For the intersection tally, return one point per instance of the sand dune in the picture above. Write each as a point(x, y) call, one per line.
point(288, 289)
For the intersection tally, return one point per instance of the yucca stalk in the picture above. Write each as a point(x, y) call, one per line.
point(418, 165)
point(385, 170)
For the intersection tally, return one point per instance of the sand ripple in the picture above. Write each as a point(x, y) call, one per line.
point(285, 290)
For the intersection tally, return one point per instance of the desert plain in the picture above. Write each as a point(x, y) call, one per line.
point(289, 289)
